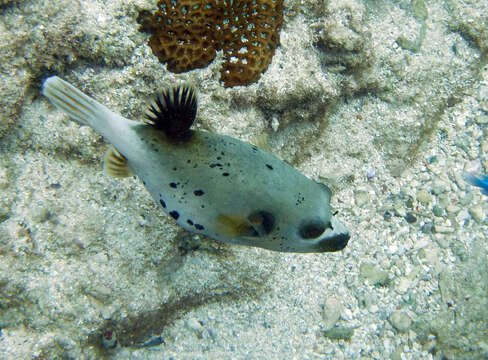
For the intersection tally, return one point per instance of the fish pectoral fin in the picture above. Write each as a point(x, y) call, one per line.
point(115, 164)
point(235, 226)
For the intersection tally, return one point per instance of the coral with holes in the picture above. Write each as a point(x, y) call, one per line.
point(186, 34)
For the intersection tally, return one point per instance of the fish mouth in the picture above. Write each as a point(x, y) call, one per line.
point(334, 238)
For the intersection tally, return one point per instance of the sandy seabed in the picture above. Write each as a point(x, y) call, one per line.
point(387, 102)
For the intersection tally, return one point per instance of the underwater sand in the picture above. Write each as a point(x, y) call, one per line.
point(387, 102)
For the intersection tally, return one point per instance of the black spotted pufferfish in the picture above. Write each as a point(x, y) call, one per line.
point(209, 184)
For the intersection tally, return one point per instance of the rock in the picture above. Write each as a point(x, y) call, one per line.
point(196, 326)
point(466, 199)
point(403, 284)
point(481, 119)
point(98, 291)
point(437, 210)
point(4, 213)
point(442, 229)
point(452, 209)
point(477, 213)
point(424, 197)
point(400, 321)
point(427, 228)
point(331, 313)
point(482, 97)
point(339, 332)
point(410, 218)
point(40, 214)
point(4, 181)
point(361, 197)
point(372, 274)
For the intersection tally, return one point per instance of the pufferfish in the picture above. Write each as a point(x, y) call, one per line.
point(210, 184)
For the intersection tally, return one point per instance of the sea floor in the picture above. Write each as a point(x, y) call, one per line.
point(385, 101)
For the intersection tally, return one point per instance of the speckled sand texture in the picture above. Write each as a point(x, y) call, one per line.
point(386, 101)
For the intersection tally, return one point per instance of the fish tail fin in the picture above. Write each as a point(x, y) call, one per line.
point(478, 182)
point(79, 106)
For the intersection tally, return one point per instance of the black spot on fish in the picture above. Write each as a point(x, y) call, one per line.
point(269, 166)
point(175, 168)
point(219, 158)
point(198, 192)
point(225, 174)
point(199, 227)
point(163, 204)
point(188, 161)
point(215, 164)
point(144, 182)
point(254, 148)
point(173, 185)
point(174, 214)
point(202, 206)
point(189, 222)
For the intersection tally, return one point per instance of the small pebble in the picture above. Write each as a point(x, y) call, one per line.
point(400, 321)
point(424, 197)
point(194, 324)
point(409, 202)
point(410, 218)
point(370, 174)
point(361, 197)
point(481, 119)
point(372, 274)
point(100, 292)
point(40, 214)
point(477, 213)
point(331, 313)
point(4, 214)
point(466, 199)
point(442, 229)
point(3, 178)
point(339, 333)
point(437, 210)
point(452, 209)
point(438, 187)
point(403, 284)
point(427, 228)
point(397, 167)
point(432, 159)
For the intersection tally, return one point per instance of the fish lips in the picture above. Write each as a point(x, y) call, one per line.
point(334, 239)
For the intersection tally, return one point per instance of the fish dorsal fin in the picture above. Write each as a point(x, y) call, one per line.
point(173, 112)
point(234, 226)
point(115, 164)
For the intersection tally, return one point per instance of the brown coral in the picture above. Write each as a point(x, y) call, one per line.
point(187, 33)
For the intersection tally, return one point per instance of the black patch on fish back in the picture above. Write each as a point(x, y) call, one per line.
point(174, 112)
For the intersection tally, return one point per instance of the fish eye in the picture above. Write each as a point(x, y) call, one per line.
point(262, 221)
point(313, 229)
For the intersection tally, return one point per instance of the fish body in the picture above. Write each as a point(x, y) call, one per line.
point(481, 181)
point(208, 183)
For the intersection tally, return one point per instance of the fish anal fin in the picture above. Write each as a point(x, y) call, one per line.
point(115, 164)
